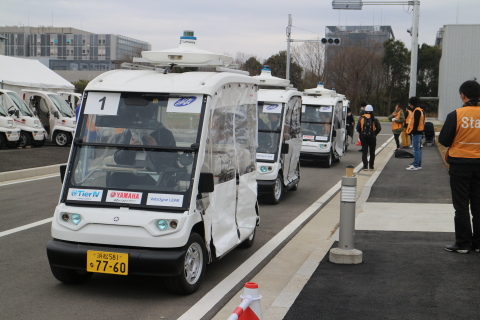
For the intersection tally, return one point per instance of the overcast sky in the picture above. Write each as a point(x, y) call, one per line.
point(248, 26)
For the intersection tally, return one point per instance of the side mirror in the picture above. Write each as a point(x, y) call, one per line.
point(63, 168)
point(206, 183)
point(11, 112)
point(285, 148)
point(17, 113)
point(56, 114)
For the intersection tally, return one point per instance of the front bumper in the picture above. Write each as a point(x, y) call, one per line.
point(141, 261)
point(265, 186)
point(314, 156)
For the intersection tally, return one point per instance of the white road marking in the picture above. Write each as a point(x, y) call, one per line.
point(29, 179)
point(25, 227)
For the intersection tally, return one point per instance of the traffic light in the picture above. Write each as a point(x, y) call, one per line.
point(334, 41)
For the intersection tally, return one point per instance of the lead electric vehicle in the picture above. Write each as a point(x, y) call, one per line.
point(279, 137)
point(56, 116)
point(32, 131)
point(161, 178)
point(323, 126)
point(9, 134)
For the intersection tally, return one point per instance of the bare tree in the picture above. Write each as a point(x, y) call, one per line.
point(310, 56)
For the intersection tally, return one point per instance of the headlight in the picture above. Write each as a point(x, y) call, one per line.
point(10, 123)
point(36, 123)
point(162, 225)
point(322, 146)
point(74, 123)
point(76, 218)
point(263, 169)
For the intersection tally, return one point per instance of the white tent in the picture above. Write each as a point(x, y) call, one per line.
point(18, 73)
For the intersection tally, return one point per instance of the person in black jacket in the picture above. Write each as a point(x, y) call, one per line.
point(368, 127)
point(461, 133)
point(350, 124)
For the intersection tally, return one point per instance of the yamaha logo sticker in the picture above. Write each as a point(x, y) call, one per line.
point(124, 197)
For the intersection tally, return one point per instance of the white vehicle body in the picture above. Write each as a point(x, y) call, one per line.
point(323, 126)
point(9, 134)
point(55, 114)
point(32, 131)
point(279, 137)
point(126, 194)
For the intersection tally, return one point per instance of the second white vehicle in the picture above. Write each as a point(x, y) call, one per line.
point(57, 117)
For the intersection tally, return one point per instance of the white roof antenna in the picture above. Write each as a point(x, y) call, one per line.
point(266, 79)
point(187, 55)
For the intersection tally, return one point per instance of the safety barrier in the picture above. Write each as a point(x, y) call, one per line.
point(249, 308)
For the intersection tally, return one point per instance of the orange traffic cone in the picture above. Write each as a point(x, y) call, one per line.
point(359, 143)
point(254, 310)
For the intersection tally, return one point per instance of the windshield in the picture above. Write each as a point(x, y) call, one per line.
point(2, 111)
point(24, 110)
point(270, 119)
point(142, 147)
point(316, 122)
point(61, 105)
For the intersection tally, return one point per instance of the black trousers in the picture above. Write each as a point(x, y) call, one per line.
point(397, 140)
point(368, 146)
point(465, 185)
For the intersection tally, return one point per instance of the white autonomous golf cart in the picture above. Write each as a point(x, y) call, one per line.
point(32, 131)
point(56, 116)
point(9, 134)
point(161, 178)
point(323, 126)
point(279, 137)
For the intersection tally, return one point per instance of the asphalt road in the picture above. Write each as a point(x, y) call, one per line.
point(29, 291)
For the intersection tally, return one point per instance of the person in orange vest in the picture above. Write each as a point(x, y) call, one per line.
point(406, 141)
point(368, 127)
point(397, 118)
point(461, 134)
point(415, 128)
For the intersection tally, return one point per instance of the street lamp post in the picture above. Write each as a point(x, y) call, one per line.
point(357, 5)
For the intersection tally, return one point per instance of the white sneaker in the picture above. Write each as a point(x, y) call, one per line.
point(412, 168)
point(419, 168)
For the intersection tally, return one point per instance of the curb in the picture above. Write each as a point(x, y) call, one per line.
point(30, 173)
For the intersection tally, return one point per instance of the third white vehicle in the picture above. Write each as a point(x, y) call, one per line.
point(323, 126)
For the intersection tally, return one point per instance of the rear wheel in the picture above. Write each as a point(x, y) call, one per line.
point(194, 266)
point(276, 195)
point(2, 140)
point(24, 140)
point(38, 143)
point(70, 276)
point(62, 139)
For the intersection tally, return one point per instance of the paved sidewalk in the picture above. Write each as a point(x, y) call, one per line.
point(404, 219)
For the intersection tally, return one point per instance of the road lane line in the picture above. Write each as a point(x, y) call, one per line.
point(210, 299)
point(25, 227)
point(29, 179)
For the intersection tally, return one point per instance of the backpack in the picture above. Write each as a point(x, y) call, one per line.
point(368, 128)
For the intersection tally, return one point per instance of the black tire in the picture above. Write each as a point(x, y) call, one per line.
point(193, 270)
point(13, 144)
point(37, 143)
point(2, 140)
point(70, 276)
point(276, 195)
point(295, 187)
point(329, 161)
point(247, 243)
point(25, 140)
point(62, 138)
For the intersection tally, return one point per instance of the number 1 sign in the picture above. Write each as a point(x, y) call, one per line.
point(102, 103)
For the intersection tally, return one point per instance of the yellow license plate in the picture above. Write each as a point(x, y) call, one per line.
point(107, 262)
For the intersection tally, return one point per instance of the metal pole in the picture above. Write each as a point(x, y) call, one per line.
point(414, 51)
point(346, 240)
point(289, 29)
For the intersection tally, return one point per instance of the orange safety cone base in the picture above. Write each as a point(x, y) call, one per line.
point(358, 143)
point(248, 314)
